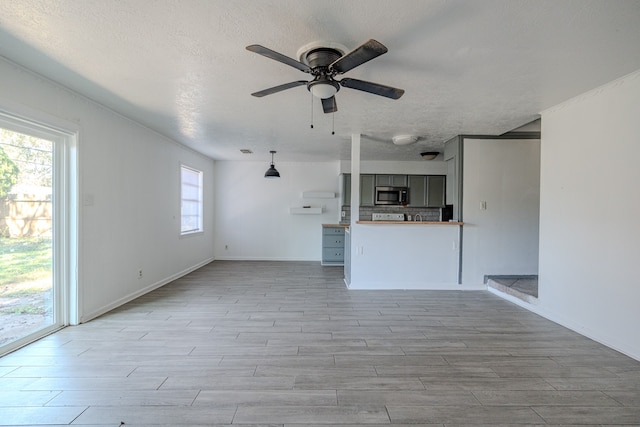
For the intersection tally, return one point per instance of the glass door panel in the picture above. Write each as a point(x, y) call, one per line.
point(27, 290)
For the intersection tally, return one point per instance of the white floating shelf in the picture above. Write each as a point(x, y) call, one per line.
point(318, 195)
point(305, 211)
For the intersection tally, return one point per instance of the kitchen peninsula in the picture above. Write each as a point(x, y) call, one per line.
point(411, 222)
point(384, 252)
point(404, 255)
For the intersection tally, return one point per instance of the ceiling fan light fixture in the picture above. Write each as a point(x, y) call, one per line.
point(323, 89)
point(404, 139)
point(272, 172)
point(429, 155)
point(324, 61)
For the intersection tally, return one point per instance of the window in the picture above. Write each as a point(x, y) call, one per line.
point(190, 200)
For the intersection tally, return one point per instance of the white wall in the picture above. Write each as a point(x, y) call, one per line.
point(132, 175)
point(503, 239)
point(252, 213)
point(590, 203)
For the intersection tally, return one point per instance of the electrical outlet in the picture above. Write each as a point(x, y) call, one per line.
point(140, 274)
point(344, 214)
point(226, 247)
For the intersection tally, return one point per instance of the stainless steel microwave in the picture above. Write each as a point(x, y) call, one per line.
point(392, 196)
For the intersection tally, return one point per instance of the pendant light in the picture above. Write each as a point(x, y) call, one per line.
point(272, 172)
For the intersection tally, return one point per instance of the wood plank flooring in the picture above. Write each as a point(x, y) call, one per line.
point(286, 344)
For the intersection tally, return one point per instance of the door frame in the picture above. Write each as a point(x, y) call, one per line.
point(65, 225)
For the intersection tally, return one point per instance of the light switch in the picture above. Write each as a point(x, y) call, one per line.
point(483, 205)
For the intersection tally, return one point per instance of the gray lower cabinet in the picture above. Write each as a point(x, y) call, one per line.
point(333, 246)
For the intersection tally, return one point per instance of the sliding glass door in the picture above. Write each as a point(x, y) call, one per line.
point(34, 232)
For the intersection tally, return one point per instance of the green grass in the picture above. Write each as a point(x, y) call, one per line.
point(24, 260)
point(24, 309)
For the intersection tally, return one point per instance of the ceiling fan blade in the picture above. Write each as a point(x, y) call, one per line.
point(374, 88)
point(366, 52)
point(280, 88)
point(329, 105)
point(278, 57)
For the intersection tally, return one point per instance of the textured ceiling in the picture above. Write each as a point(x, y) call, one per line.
point(181, 67)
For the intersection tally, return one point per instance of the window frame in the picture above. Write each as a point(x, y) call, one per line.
point(200, 200)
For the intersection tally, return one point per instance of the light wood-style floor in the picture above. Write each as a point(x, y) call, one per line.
point(286, 344)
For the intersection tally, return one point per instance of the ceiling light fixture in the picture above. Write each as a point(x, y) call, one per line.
point(404, 139)
point(429, 155)
point(323, 88)
point(272, 172)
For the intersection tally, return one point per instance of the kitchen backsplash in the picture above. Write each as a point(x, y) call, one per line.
point(427, 214)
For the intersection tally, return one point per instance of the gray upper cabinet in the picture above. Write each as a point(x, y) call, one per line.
point(427, 190)
point(346, 189)
point(424, 190)
point(367, 189)
point(451, 174)
point(417, 190)
point(436, 191)
point(391, 180)
point(453, 156)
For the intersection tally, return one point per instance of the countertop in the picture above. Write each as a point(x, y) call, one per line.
point(411, 222)
point(335, 225)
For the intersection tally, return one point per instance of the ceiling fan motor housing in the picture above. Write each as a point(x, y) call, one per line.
point(323, 85)
point(321, 58)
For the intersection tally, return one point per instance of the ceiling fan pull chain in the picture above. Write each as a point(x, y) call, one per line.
point(333, 123)
point(311, 111)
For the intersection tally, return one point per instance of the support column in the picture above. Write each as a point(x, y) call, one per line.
point(355, 178)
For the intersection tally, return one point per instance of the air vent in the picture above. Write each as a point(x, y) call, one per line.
point(246, 151)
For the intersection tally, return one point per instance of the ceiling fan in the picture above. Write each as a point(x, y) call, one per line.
point(324, 61)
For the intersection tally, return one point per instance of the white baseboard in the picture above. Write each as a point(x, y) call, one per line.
point(569, 324)
point(245, 258)
point(415, 286)
point(121, 301)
